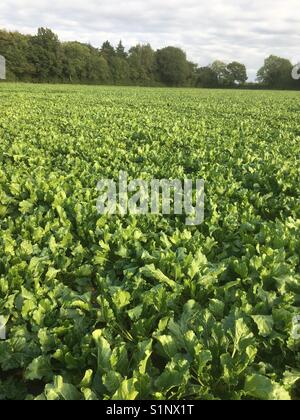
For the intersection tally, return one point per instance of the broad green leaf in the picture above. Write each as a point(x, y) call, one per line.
point(127, 390)
point(263, 388)
point(39, 368)
point(264, 324)
point(149, 271)
point(104, 350)
point(60, 390)
point(121, 298)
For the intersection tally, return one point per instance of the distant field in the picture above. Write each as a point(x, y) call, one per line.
point(145, 307)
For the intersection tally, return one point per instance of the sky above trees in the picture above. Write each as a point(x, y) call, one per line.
point(223, 29)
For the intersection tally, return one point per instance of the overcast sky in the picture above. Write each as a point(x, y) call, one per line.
point(243, 30)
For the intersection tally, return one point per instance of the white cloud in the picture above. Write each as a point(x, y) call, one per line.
point(220, 29)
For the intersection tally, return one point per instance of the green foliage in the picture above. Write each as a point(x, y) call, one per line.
point(276, 73)
point(43, 58)
point(206, 78)
point(227, 75)
point(142, 64)
point(173, 68)
point(237, 73)
point(100, 307)
point(45, 54)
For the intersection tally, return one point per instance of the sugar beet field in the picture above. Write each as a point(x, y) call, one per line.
point(145, 307)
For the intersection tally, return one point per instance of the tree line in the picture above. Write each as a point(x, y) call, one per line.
point(43, 58)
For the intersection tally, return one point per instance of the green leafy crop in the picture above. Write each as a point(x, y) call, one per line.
point(144, 307)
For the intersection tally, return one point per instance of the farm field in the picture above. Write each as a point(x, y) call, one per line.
point(145, 307)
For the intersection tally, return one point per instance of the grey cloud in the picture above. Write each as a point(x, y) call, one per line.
point(224, 29)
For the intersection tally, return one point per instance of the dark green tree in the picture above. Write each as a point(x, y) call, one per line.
point(192, 74)
point(206, 78)
point(15, 48)
point(46, 54)
point(222, 73)
point(237, 73)
point(120, 71)
point(108, 51)
point(76, 56)
point(83, 64)
point(43, 58)
point(142, 64)
point(98, 70)
point(276, 73)
point(120, 51)
point(172, 66)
